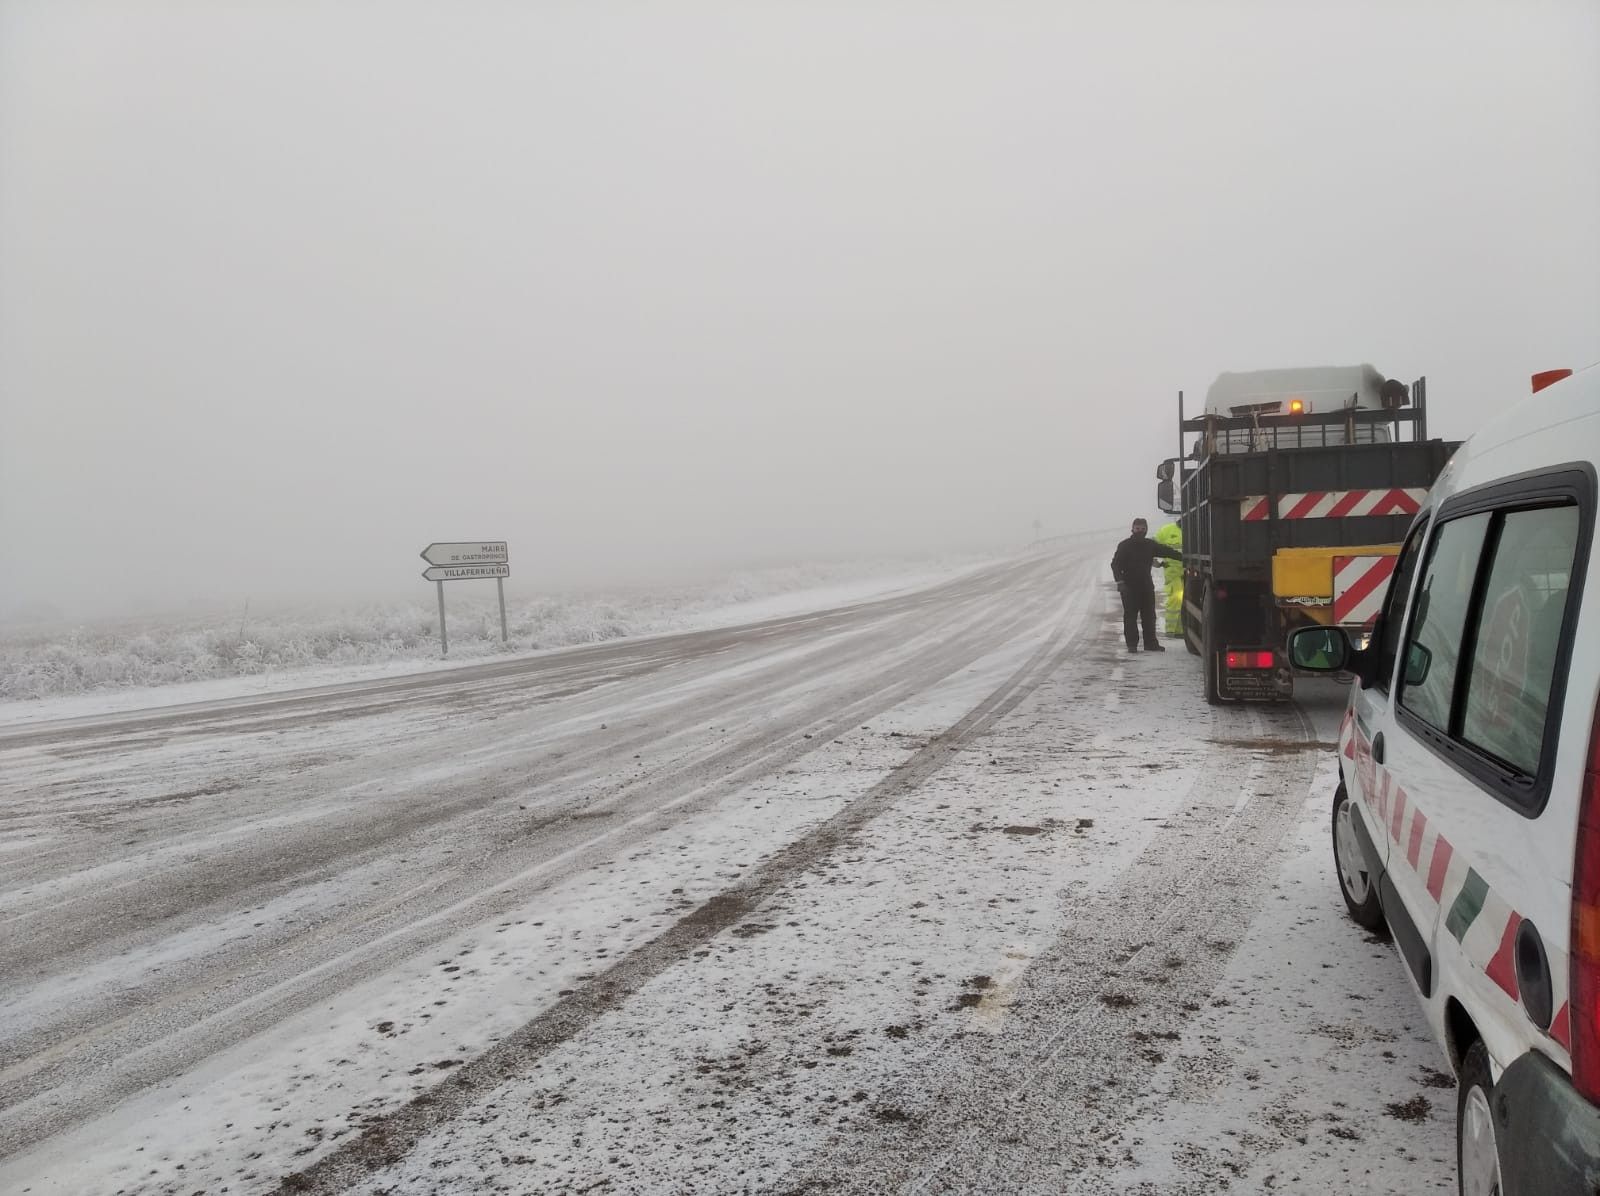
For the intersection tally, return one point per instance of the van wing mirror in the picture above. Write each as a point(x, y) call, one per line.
point(1418, 661)
point(1320, 650)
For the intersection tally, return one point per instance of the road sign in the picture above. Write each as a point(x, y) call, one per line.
point(477, 552)
point(466, 560)
point(465, 572)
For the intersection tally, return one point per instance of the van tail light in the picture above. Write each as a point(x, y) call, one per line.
point(1585, 1011)
point(1250, 660)
point(1546, 378)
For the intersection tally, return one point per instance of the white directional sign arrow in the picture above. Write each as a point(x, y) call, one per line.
point(465, 572)
point(476, 552)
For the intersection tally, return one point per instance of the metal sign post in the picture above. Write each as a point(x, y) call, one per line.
point(444, 643)
point(464, 561)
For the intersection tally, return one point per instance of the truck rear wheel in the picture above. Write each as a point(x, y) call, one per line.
point(1209, 649)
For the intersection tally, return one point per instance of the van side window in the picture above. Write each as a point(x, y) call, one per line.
point(1519, 633)
point(1392, 618)
point(1431, 656)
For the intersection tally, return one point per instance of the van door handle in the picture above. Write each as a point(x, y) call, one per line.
point(1377, 748)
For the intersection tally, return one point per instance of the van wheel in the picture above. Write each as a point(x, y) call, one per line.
point(1477, 1152)
point(1360, 887)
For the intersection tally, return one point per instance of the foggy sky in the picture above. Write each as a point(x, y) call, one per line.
point(288, 290)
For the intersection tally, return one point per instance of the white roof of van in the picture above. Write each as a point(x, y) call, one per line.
point(1559, 425)
point(1329, 387)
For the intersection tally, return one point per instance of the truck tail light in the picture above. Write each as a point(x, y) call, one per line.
point(1250, 660)
point(1585, 994)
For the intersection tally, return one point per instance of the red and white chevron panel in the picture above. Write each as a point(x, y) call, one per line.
point(1359, 584)
point(1333, 504)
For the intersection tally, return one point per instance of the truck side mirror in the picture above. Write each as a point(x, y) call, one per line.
point(1166, 486)
point(1166, 500)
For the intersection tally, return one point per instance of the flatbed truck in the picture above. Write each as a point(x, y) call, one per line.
point(1293, 489)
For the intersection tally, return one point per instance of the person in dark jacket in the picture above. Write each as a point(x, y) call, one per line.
point(1131, 565)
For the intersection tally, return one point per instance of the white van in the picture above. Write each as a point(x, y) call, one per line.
point(1467, 819)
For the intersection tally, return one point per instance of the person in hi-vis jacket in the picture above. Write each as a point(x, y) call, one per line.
point(1131, 565)
point(1172, 537)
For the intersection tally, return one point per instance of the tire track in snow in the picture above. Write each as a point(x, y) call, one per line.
point(827, 641)
point(1095, 1011)
point(203, 1005)
point(386, 1141)
point(329, 838)
point(580, 679)
point(401, 924)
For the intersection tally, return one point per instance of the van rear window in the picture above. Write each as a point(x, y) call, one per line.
point(1519, 635)
point(1482, 669)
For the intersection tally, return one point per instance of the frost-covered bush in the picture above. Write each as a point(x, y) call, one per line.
point(109, 655)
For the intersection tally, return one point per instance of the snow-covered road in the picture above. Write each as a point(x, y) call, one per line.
point(942, 892)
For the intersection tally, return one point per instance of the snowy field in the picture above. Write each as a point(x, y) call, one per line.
point(940, 894)
point(70, 671)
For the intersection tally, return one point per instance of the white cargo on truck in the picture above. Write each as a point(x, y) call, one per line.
point(1319, 390)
